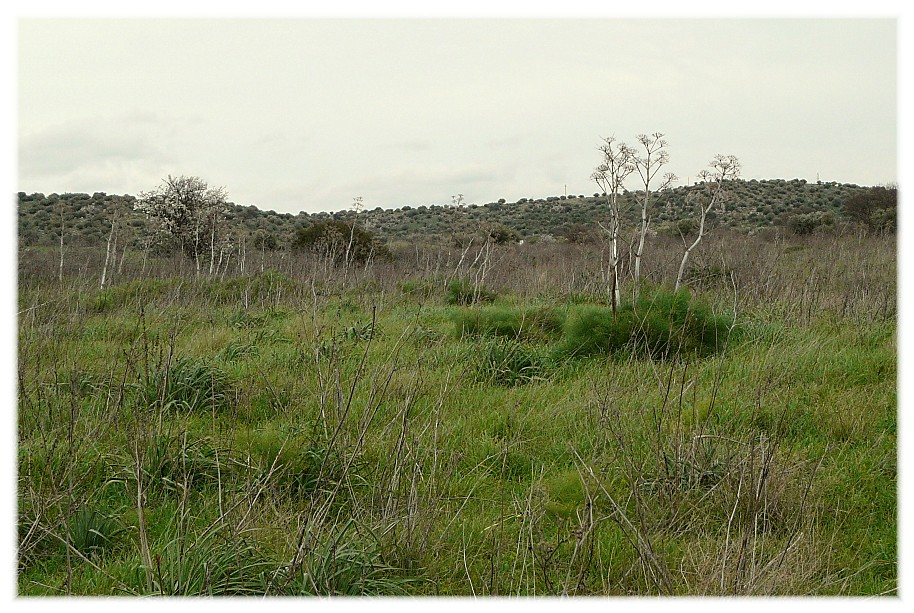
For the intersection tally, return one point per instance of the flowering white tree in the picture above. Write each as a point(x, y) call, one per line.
point(188, 211)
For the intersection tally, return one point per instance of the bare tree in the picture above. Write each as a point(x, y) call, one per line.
point(109, 251)
point(617, 164)
point(357, 207)
point(712, 193)
point(648, 163)
point(62, 227)
point(455, 216)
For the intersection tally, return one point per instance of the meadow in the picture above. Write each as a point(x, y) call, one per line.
point(420, 425)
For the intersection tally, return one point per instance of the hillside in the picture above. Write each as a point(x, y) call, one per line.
point(756, 204)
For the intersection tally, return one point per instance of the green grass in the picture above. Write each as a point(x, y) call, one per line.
point(312, 444)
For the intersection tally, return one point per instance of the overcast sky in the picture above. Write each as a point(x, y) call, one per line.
point(305, 114)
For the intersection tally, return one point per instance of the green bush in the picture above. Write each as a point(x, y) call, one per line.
point(206, 565)
point(340, 240)
point(418, 288)
point(265, 287)
point(508, 322)
point(592, 330)
point(344, 563)
point(293, 462)
point(660, 324)
point(139, 291)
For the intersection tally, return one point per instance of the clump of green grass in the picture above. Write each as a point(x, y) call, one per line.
point(92, 532)
point(424, 288)
point(264, 287)
point(247, 319)
point(659, 324)
point(541, 322)
point(188, 385)
point(209, 565)
point(138, 291)
point(511, 363)
point(463, 292)
point(176, 459)
point(296, 465)
point(344, 563)
point(237, 350)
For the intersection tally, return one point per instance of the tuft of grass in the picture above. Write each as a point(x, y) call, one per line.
point(418, 288)
point(188, 385)
point(511, 363)
point(138, 291)
point(463, 292)
point(93, 532)
point(660, 324)
point(172, 460)
point(534, 323)
point(293, 462)
point(210, 565)
point(343, 564)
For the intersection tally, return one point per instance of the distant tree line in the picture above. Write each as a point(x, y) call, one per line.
point(756, 204)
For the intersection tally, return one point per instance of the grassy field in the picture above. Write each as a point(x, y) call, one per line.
point(399, 429)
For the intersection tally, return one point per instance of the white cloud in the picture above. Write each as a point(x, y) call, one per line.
point(292, 114)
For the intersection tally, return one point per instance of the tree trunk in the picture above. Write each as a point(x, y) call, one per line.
point(108, 252)
point(212, 247)
point(640, 249)
point(242, 253)
point(688, 251)
point(60, 269)
point(120, 265)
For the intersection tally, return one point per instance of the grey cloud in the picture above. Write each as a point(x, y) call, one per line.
point(71, 147)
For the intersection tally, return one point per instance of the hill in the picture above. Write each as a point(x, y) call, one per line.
point(756, 204)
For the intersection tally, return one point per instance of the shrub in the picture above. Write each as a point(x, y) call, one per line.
point(172, 461)
point(709, 275)
point(293, 462)
point(503, 235)
point(592, 330)
point(660, 324)
point(876, 208)
point(418, 288)
point(346, 564)
point(340, 240)
point(138, 291)
point(208, 565)
point(807, 223)
point(267, 286)
point(672, 323)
